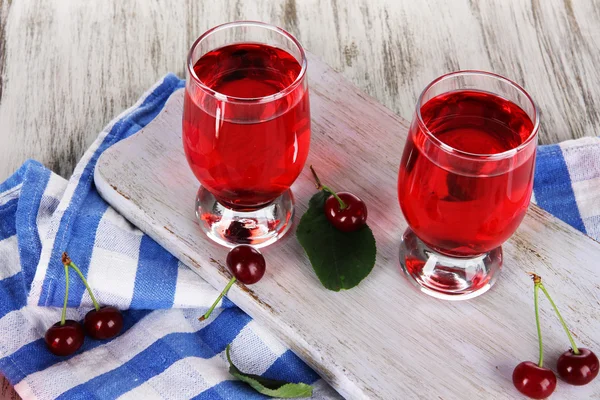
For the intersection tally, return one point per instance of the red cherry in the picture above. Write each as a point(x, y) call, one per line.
point(247, 266)
point(104, 323)
point(349, 219)
point(64, 340)
point(578, 369)
point(246, 263)
point(534, 381)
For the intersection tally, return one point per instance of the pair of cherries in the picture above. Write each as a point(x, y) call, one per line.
point(66, 336)
point(576, 366)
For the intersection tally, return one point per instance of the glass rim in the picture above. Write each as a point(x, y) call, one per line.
point(247, 100)
point(478, 156)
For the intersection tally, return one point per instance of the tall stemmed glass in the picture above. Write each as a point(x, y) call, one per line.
point(246, 129)
point(465, 181)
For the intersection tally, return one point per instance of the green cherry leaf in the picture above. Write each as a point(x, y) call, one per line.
point(340, 259)
point(270, 387)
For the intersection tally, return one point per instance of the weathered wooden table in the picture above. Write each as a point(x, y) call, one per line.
point(67, 67)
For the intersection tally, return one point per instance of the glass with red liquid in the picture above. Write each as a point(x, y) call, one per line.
point(246, 130)
point(465, 181)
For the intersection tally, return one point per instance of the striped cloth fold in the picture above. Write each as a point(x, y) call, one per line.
point(567, 183)
point(164, 352)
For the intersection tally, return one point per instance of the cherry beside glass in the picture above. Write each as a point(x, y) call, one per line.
point(246, 130)
point(465, 181)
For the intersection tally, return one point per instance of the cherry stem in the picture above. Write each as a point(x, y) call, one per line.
point(327, 189)
point(227, 353)
point(69, 263)
point(537, 324)
point(63, 316)
point(562, 321)
point(223, 293)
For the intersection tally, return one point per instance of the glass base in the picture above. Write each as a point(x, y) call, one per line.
point(230, 228)
point(445, 277)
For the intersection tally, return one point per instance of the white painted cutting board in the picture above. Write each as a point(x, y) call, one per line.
point(382, 339)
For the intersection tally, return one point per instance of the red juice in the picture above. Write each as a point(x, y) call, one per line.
point(244, 148)
point(465, 205)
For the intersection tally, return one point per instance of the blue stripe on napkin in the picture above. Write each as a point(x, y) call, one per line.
point(552, 186)
point(156, 273)
point(8, 224)
point(35, 178)
point(11, 288)
point(291, 369)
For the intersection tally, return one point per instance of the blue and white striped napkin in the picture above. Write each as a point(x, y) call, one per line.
point(164, 351)
point(567, 183)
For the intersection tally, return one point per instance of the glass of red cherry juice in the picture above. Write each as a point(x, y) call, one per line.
point(465, 181)
point(246, 130)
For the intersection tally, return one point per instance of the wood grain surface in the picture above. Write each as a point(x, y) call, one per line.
point(382, 339)
point(67, 67)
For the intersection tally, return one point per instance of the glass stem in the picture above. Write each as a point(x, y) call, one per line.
point(63, 316)
point(562, 321)
point(223, 293)
point(96, 305)
point(537, 323)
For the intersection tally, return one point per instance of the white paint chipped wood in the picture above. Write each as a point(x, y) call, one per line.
point(382, 339)
point(68, 67)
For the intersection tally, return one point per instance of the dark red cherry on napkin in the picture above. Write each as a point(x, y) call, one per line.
point(104, 323)
point(64, 339)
